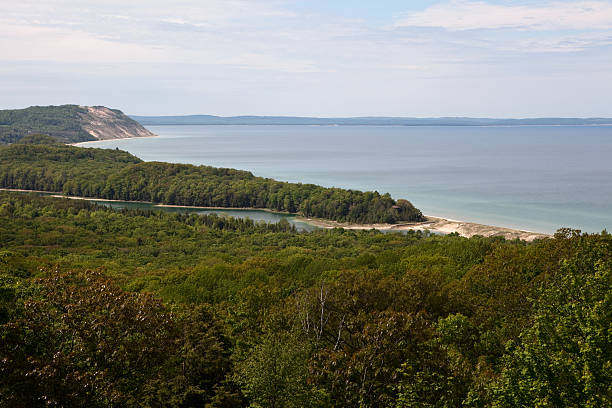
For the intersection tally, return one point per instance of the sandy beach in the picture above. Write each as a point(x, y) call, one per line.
point(439, 224)
point(80, 144)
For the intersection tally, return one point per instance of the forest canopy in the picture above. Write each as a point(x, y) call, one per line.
point(134, 308)
point(60, 122)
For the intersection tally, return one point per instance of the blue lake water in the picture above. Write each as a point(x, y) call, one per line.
point(537, 178)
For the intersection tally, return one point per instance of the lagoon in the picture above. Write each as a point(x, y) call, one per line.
point(537, 178)
point(264, 216)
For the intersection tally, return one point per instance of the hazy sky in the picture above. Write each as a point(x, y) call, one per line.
point(311, 57)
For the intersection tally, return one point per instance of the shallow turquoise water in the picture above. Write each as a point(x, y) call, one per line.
point(537, 178)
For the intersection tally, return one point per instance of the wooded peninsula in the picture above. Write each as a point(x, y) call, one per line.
point(41, 163)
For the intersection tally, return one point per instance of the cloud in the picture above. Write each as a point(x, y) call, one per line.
point(473, 15)
point(564, 44)
point(239, 33)
point(243, 34)
point(35, 43)
point(237, 56)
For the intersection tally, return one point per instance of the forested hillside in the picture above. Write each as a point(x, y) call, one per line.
point(117, 175)
point(150, 309)
point(68, 123)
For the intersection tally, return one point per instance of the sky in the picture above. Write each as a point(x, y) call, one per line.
point(327, 58)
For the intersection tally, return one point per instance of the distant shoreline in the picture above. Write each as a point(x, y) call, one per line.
point(433, 224)
point(447, 121)
point(357, 125)
point(78, 144)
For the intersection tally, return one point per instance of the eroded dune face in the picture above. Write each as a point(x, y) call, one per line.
point(103, 124)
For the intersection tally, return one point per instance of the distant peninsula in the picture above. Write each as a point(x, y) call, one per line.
point(68, 124)
point(364, 121)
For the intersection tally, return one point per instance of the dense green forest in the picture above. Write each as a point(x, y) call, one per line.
point(101, 308)
point(61, 122)
point(111, 174)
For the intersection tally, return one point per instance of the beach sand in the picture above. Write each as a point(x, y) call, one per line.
point(438, 224)
point(80, 144)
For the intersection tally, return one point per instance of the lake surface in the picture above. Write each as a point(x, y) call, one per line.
point(255, 215)
point(537, 178)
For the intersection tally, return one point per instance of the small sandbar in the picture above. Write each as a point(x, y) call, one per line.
point(85, 144)
point(441, 225)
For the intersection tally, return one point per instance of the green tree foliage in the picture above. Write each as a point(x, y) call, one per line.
point(14, 269)
point(565, 358)
point(275, 372)
point(82, 341)
point(438, 375)
point(39, 139)
point(234, 313)
point(117, 175)
point(61, 122)
point(364, 327)
point(65, 123)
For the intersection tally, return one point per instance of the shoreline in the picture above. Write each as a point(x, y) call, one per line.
point(434, 223)
point(59, 194)
point(367, 125)
point(109, 140)
point(438, 224)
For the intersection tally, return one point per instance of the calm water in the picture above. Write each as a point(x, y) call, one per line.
point(255, 215)
point(537, 178)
